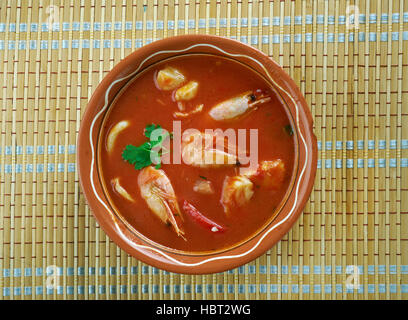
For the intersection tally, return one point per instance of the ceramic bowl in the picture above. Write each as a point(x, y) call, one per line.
point(118, 229)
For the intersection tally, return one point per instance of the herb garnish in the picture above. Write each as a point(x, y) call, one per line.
point(289, 130)
point(150, 128)
point(146, 154)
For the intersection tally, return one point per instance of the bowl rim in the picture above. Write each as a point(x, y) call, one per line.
point(92, 186)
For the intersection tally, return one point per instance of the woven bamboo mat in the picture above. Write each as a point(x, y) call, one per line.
point(350, 59)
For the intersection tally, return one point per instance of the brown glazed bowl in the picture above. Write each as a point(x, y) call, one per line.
point(183, 262)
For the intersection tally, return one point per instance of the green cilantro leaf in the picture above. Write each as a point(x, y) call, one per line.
point(148, 152)
point(138, 156)
point(150, 128)
point(289, 130)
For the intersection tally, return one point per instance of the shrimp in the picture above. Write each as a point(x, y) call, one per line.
point(269, 174)
point(169, 78)
point(157, 191)
point(236, 192)
point(113, 133)
point(198, 150)
point(237, 106)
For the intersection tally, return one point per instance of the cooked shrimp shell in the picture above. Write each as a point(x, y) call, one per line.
point(200, 150)
point(157, 191)
point(237, 106)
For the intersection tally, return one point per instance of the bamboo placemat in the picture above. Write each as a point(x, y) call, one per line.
point(349, 58)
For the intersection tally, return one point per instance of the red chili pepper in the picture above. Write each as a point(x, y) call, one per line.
point(202, 220)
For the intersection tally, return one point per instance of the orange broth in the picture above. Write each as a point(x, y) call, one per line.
point(143, 103)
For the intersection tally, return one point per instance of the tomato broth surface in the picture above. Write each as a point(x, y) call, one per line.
point(142, 103)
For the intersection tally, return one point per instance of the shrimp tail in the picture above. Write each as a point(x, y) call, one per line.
point(173, 221)
point(170, 215)
point(261, 100)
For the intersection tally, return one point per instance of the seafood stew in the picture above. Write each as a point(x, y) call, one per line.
point(171, 171)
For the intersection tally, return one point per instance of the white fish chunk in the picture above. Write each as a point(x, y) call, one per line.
point(169, 78)
point(187, 92)
point(203, 187)
point(237, 191)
